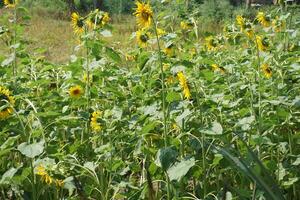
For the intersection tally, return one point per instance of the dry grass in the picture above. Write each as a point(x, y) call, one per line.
point(54, 36)
point(57, 38)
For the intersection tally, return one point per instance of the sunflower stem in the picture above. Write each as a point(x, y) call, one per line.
point(259, 85)
point(162, 83)
point(15, 73)
point(163, 101)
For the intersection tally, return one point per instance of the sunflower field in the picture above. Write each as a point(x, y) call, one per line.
point(175, 115)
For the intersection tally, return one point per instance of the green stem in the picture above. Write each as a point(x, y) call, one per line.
point(203, 165)
point(259, 86)
point(163, 102)
point(33, 180)
point(15, 72)
point(162, 84)
point(87, 90)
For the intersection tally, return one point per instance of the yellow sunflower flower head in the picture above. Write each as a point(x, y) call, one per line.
point(211, 43)
point(10, 3)
point(45, 177)
point(217, 68)
point(184, 85)
point(95, 124)
point(262, 43)
point(263, 19)
point(105, 18)
point(77, 23)
point(266, 70)
point(143, 14)
point(240, 21)
point(6, 103)
point(75, 91)
point(142, 37)
point(169, 50)
point(160, 32)
point(278, 24)
point(59, 183)
point(186, 25)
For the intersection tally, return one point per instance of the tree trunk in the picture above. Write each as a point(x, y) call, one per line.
point(248, 3)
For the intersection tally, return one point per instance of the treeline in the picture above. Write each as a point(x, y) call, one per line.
point(127, 6)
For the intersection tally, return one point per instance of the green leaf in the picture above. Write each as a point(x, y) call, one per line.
point(113, 54)
point(216, 129)
point(296, 162)
point(106, 33)
point(290, 182)
point(217, 158)
point(8, 175)
point(31, 150)
point(180, 169)
point(166, 157)
point(9, 142)
point(149, 127)
point(8, 60)
point(173, 96)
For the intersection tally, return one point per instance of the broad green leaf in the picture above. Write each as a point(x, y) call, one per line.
point(290, 182)
point(165, 157)
point(173, 96)
point(31, 150)
point(180, 169)
point(8, 175)
point(113, 54)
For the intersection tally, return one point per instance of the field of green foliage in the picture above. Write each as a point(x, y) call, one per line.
point(176, 114)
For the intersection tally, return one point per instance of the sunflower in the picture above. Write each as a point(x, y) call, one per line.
point(105, 18)
point(45, 177)
point(169, 50)
point(95, 121)
point(75, 91)
point(278, 24)
point(263, 19)
point(186, 25)
point(160, 32)
point(262, 43)
point(217, 68)
point(184, 85)
point(10, 3)
point(266, 70)
point(211, 43)
point(142, 38)
point(240, 21)
point(59, 183)
point(143, 14)
point(77, 23)
point(5, 96)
